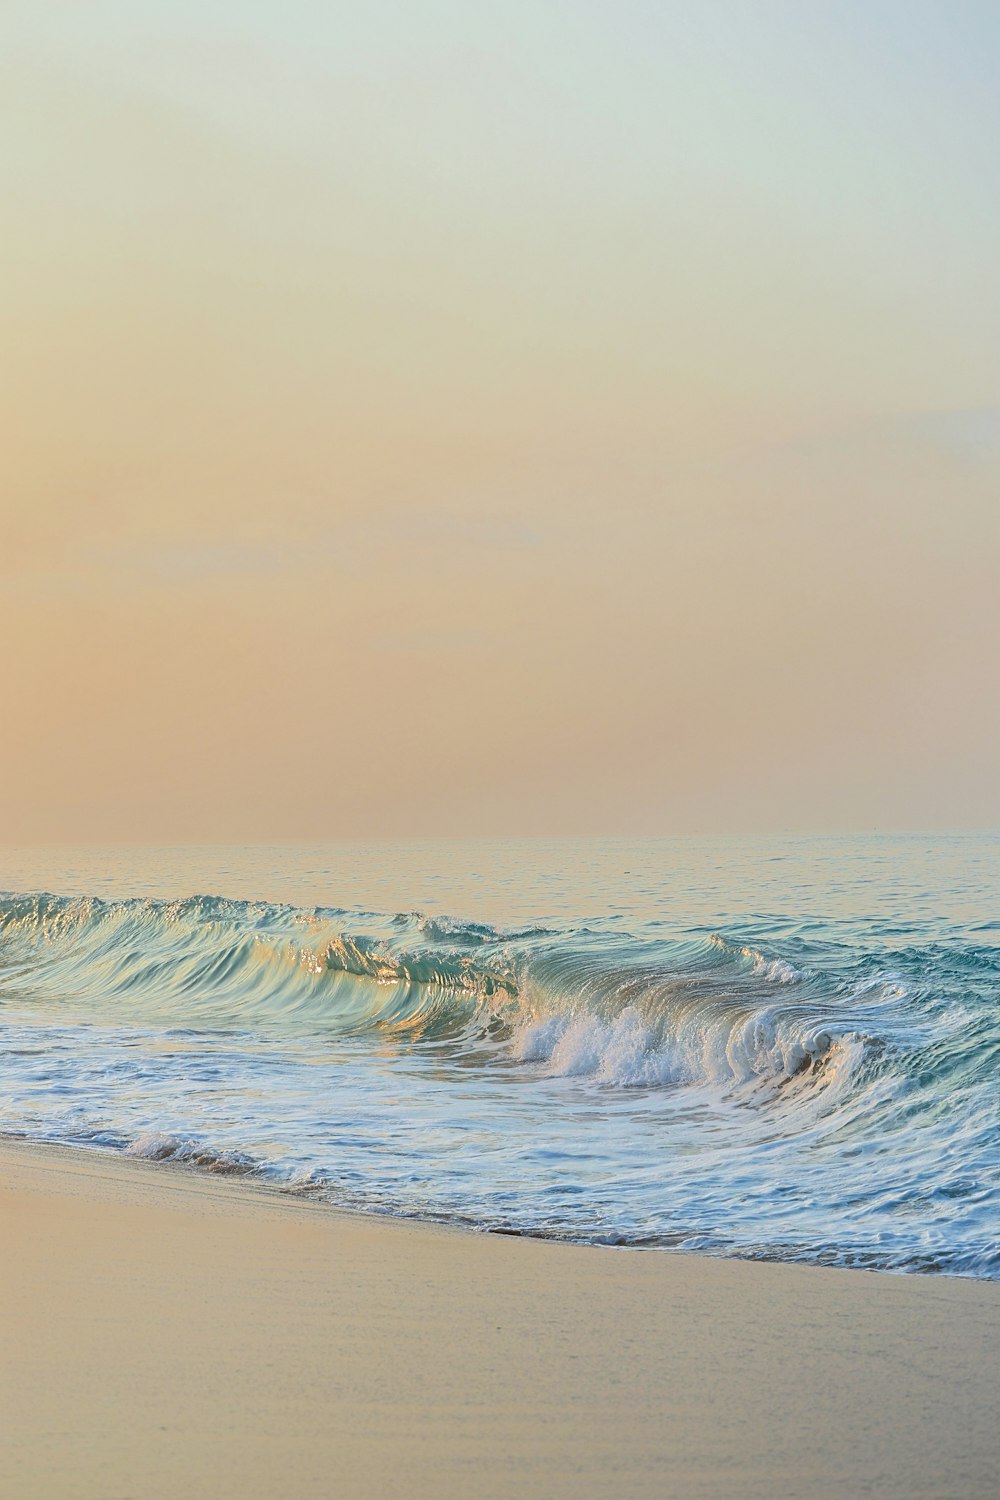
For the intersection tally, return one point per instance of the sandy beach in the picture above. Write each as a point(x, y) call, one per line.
point(167, 1334)
point(499, 812)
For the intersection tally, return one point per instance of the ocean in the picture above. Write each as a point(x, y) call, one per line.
point(782, 1049)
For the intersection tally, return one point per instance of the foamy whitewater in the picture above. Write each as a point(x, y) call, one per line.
point(785, 1050)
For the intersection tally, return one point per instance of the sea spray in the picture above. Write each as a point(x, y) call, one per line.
point(821, 1088)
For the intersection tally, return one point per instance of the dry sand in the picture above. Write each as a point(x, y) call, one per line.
point(169, 1335)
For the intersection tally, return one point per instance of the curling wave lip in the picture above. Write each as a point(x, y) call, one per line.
point(829, 1101)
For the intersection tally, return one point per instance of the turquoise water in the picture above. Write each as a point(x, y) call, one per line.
point(785, 1049)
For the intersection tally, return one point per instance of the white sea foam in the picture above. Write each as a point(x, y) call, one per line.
point(762, 965)
point(777, 970)
point(155, 1146)
point(620, 1051)
point(666, 1090)
point(628, 1050)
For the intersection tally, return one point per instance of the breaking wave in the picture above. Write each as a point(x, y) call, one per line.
point(703, 1011)
point(815, 1101)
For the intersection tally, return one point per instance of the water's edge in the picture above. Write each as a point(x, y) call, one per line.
point(631, 1050)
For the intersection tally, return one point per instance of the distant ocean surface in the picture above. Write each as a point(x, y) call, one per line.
point(784, 1049)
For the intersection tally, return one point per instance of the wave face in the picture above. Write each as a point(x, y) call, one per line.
point(820, 1088)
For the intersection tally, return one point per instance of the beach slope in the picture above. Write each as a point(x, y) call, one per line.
point(169, 1334)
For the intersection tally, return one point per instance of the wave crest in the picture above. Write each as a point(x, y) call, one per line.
point(613, 1010)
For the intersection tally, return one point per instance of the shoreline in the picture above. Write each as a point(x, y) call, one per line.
point(168, 1334)
point(247, 1180)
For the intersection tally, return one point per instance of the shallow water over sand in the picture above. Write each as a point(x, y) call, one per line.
point(786, 1049)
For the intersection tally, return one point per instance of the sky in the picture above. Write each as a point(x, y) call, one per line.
point(553, 417)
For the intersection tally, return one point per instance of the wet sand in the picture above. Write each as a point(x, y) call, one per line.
point(167, 1334)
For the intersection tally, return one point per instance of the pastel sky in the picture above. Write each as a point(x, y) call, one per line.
point(548, 416)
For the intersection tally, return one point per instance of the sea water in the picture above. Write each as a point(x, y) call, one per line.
point(784, 1048)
